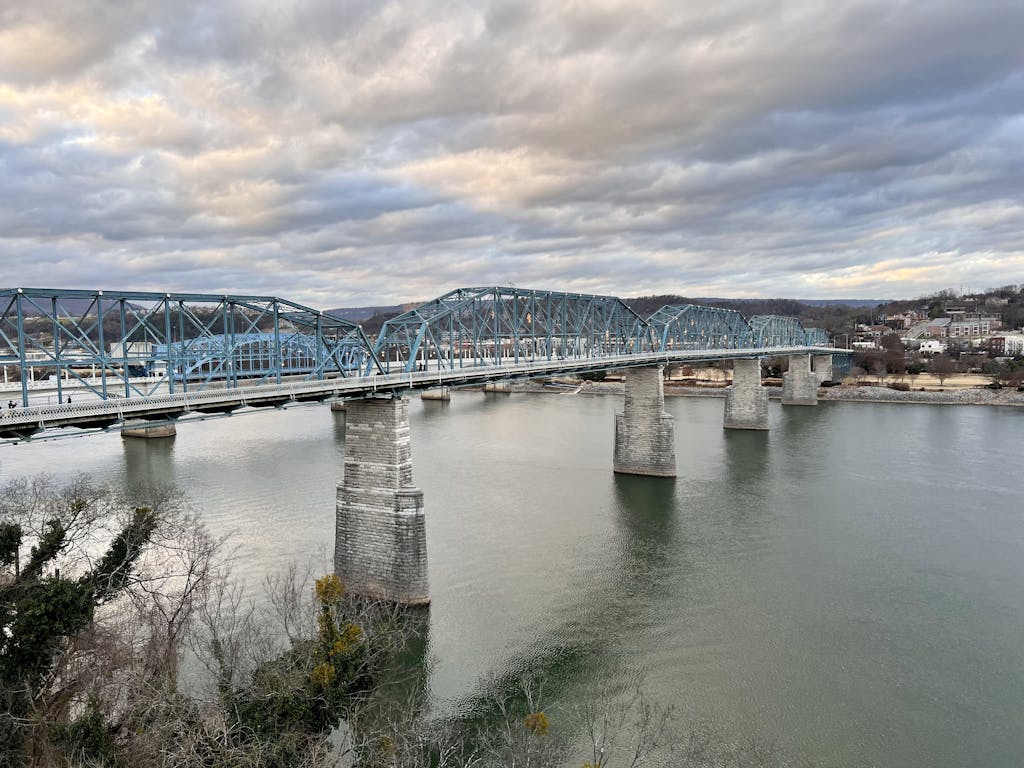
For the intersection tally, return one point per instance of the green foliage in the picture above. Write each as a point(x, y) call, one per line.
point(37, 616)
point(111, 574)
point(86, 740)
point(298, 697)
point(41, 610)
point(51, 542)
point(10, 543)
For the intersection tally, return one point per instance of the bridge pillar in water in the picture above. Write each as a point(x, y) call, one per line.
point(746, 401)
point(143, 429)
point(644, 435)
point(799, 383)
point(339, 405)
point(822, 367)
point(436, 393)
point(498, 386)
point(380, 547)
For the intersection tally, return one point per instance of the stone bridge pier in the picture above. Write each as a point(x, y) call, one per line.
point(746, 401)
point(380, 546)
point(799, 383)
point(822, 366)
point(644, 434)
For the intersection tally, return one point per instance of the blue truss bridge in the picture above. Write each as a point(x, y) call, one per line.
point(99, 359)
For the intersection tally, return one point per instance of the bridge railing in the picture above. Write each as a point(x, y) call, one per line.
point(128, 345)
point(18, 420)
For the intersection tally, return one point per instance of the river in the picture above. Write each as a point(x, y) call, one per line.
point(848, 585)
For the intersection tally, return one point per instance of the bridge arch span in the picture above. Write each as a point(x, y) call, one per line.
point(777, 331)
point(693, 326)
point(470, 327)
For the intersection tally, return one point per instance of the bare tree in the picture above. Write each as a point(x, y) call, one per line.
point(629, 732)
point(942, 367)
point(96, 618)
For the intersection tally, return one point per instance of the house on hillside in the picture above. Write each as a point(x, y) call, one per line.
point(932, 347)
point(937, 328)
point(970, 326)
point(1007, 345)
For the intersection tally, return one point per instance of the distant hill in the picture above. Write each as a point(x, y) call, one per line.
point(844, 302)
point(806, 302)
point(372, 318)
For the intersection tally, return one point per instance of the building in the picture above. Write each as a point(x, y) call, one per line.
point(932, 347)
point(970, 326)
point(937, 328)
point(905, 320)
point(1007, 345)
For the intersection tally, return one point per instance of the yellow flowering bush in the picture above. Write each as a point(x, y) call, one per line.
point(537, 722)
point(323, 675)
point(329, 589)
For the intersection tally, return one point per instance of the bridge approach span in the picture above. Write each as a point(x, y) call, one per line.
point(21, 423)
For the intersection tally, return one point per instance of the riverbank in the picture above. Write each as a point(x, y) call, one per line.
point(845, 392)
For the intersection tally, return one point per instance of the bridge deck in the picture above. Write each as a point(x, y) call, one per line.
point(20, 423)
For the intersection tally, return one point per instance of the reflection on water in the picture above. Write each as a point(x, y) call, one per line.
point(846, 584)
point(747, 455)
point(148, 462)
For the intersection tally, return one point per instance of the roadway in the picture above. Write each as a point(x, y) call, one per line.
point(21, 423)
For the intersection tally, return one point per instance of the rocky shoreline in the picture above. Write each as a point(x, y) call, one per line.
point(843, 393)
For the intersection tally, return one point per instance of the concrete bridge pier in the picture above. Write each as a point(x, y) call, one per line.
point(436, 393)
point(746, 401)
point(143, 429)
point(799, 383)
point(644, 435)
point(498, 386)
point(822, 366)
point(380, 547)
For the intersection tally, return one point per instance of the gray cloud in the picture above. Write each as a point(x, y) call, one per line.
point(361, 152)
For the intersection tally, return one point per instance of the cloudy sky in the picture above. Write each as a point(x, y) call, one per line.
point(349, 153)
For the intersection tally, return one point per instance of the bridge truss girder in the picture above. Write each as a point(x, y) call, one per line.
point(102, 340)
point(816, 337)
point(484, 326)
point(692, 326)
point(777, 331)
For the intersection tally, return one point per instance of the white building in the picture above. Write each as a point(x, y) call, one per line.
point(1008, 344)
point(932, 347)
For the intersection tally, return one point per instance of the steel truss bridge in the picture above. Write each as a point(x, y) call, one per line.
point(108, 357)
